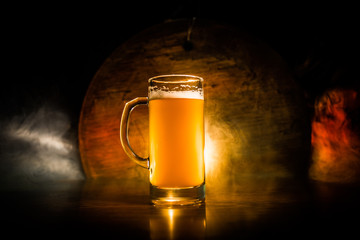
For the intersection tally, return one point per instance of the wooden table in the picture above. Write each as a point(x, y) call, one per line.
point(256, 208)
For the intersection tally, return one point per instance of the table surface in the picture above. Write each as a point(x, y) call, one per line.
point(251, 209)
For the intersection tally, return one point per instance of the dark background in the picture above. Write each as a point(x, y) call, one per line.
point(51, 51)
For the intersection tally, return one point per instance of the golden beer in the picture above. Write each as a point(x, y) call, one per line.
point(176, 132)
point(176, 139)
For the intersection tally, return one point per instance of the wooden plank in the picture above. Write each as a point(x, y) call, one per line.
point(256, 118)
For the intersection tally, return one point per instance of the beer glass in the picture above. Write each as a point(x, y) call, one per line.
point(176, 139)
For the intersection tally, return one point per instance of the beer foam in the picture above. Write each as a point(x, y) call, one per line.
point(175, 94)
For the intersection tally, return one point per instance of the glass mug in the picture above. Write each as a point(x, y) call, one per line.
point(176, 139)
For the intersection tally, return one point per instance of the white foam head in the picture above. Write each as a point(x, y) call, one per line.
point(175, 94)
point(175, 86)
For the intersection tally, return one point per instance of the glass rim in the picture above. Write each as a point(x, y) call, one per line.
point(191, 78)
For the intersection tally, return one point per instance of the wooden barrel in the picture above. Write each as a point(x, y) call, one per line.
point(255, 114)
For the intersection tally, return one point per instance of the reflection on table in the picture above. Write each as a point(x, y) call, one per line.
point(252, 208)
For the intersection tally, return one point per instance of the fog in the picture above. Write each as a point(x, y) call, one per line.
point(40, 146)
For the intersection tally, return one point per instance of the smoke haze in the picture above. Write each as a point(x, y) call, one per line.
point(39, 147)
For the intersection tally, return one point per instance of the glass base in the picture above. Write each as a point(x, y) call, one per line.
point(177, 196)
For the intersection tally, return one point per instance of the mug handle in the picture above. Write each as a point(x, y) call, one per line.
point(124, 129)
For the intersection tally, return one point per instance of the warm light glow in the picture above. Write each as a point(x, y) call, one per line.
point(209, 154)
point(170, 213)
point(178, 223)
point(336, 155)
point(171, 199)
point(171, 218)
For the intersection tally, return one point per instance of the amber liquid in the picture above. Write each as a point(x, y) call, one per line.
point(176, 134)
